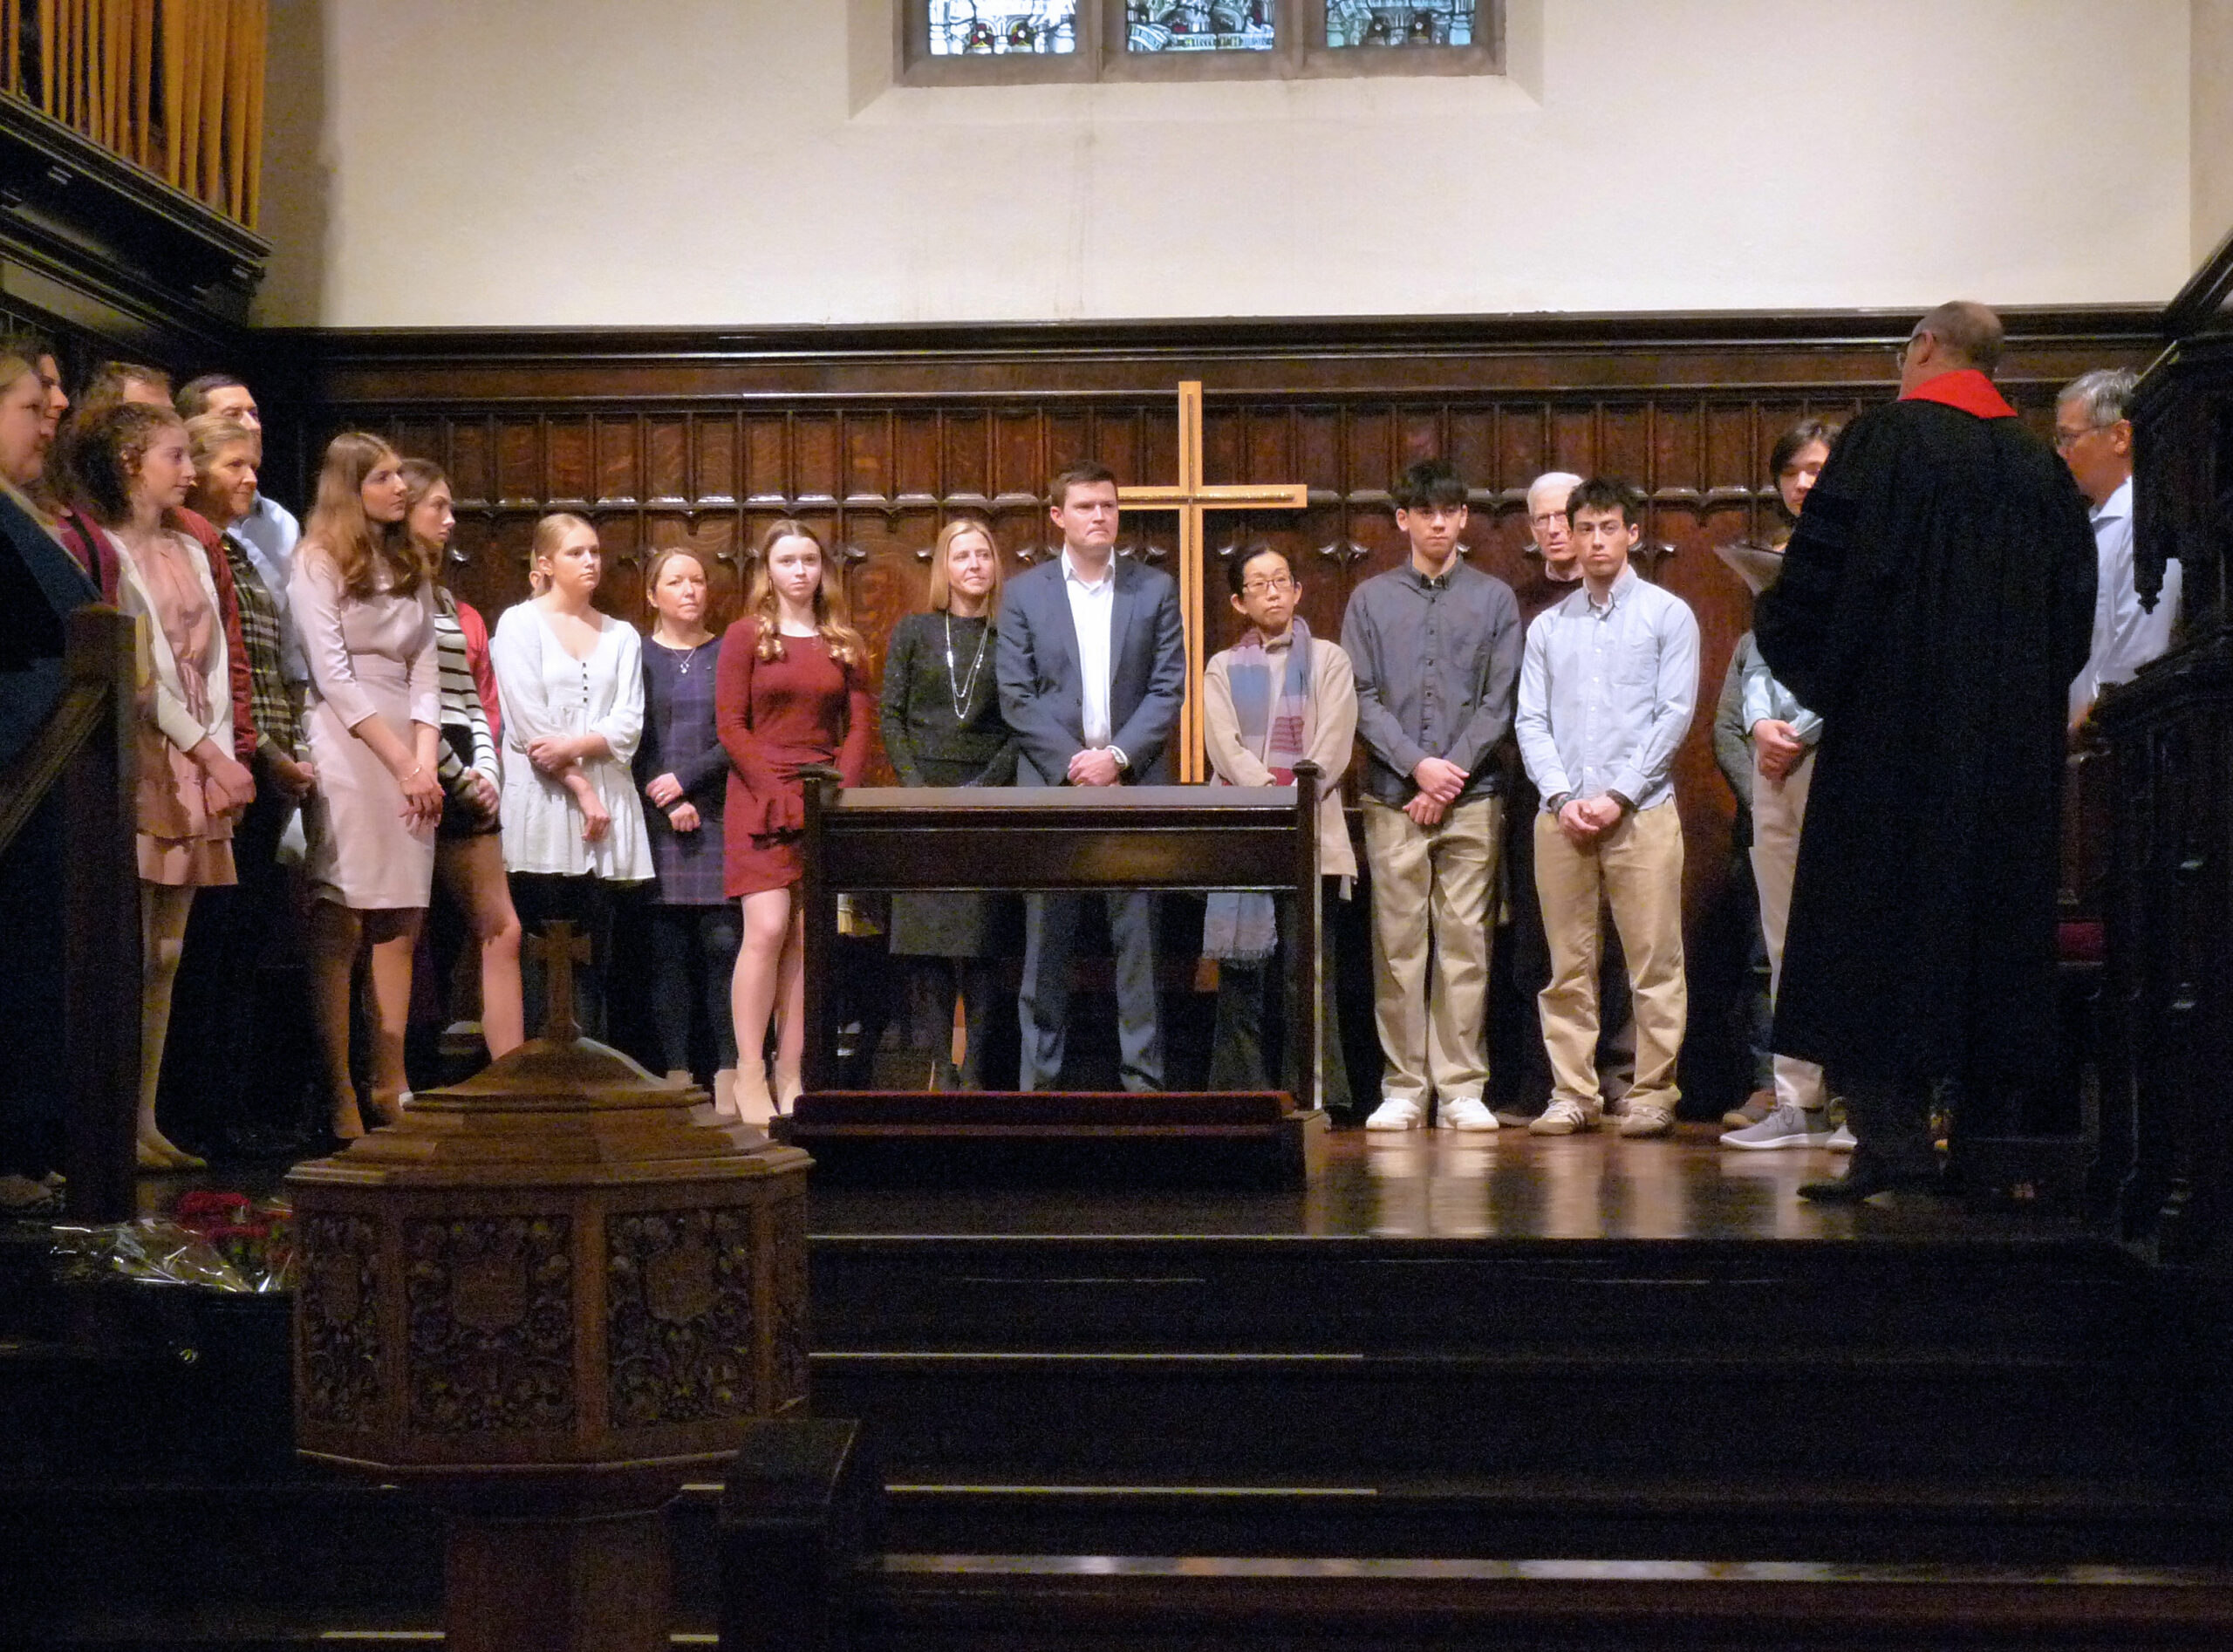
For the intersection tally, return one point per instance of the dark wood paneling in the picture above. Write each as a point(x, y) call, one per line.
point(877, 436)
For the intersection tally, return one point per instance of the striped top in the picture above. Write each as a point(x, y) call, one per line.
point(462, 707)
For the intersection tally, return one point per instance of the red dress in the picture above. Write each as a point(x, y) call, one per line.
point(774, 717)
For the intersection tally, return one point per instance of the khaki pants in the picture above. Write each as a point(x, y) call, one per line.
point(1636, 869)
point(1432, 881)
point(1778, 814)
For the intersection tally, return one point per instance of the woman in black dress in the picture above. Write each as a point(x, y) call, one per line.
point(942, 727)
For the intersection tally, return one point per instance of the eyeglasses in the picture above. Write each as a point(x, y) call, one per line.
point(1548, 518)
point(2067, 439)
point(1900, 352)
point(1269, 587)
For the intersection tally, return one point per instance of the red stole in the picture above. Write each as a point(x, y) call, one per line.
point(1967, 389)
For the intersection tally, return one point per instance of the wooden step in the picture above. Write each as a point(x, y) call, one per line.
point(996, 1603)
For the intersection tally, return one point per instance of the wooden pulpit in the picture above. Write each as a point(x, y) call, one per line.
point(1074, 840)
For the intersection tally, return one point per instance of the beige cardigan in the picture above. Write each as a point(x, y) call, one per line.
point(1334, 695)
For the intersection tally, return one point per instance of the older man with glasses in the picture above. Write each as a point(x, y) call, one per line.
point(2093, 436)
point(1934, 606)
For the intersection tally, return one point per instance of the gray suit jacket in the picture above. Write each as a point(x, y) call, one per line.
point(1041, 697)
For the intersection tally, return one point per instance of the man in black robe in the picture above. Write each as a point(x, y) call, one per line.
point(1935, 601)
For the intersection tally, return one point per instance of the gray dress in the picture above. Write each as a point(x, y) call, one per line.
point(931, 744)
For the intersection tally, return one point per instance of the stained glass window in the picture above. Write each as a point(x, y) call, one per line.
point(1399, 23)
point(983, 43)
point(1000, 28)
point(1198, 26)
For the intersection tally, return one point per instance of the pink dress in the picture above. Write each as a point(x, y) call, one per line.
point(183, 840)
point(371, 656)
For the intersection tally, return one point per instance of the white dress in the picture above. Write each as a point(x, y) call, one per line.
point(546, 691)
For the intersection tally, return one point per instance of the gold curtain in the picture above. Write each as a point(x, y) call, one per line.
point(173, 85)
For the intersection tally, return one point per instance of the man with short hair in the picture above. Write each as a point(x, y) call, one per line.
point(1555, 574)
point(1608, 686)
point(2093, 436)
point(116, 381)
point(1091, 664)
point(1435, 644)
point(1936, 599)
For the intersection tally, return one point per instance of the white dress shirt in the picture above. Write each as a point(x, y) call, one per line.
point(2126, 636)
point(1093, 612)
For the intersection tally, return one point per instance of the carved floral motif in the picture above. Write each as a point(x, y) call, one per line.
point(679, 1316)
point(490, 1301)
point(339, 1281)
point(788, 1229)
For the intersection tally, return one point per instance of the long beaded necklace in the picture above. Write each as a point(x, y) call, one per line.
point(961, 693)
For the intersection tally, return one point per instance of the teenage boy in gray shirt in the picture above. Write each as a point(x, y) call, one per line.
point(1435, 644)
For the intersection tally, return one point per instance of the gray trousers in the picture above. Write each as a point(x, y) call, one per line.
point(1050, 925)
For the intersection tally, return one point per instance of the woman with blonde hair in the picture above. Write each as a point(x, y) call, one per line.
point(361, 594)
point(792, 690)
point(570, 680)
point(469, 851)
point(942, 727)
point(683, 774)
point(129, 466)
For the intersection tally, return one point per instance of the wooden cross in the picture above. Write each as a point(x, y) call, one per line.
point(1193, 500)
point(558, 948)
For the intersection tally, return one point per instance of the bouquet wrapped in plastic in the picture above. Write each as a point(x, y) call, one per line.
point(217, 1241)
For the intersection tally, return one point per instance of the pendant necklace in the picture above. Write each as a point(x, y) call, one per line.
point(961, 693)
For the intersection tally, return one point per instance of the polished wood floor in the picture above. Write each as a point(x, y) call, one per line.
point(1437, 1185)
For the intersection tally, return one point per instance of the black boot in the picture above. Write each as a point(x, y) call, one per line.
point(1891, 1123)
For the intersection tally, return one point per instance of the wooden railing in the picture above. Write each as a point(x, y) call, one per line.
point(83, 757)
point(175, 87)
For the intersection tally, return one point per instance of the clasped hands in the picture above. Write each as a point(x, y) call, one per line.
point(1586, 819)
point(1094, 766)
point(1779, 748)
point(560, 756)
point(666, 792)
point(1439, 782)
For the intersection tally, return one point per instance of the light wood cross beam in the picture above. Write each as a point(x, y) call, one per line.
point(1193, 500)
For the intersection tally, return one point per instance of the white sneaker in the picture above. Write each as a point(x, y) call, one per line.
point(1840, 1140)
point(1394, 1114)
point(1644, 1119)
point(1564, 1118)
point(1466, 1113)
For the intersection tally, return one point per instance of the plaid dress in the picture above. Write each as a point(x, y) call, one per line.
point(680, 739)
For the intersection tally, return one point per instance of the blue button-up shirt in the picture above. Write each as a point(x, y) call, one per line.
point(1607, 692)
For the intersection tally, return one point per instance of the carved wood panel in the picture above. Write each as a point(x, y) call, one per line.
point(878, 438)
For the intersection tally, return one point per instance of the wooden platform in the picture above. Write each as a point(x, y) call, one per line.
point(1497, 1352)
point(960, 1139)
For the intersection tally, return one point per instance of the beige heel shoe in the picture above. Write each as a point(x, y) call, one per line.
point(753, 1104)
point(788, 1089)
point(724, 1093)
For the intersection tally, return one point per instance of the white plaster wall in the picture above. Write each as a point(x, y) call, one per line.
point(706, 163)
point(2212, 65)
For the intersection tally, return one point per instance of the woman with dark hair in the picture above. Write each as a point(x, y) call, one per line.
point(468, 853)
point(361, 594)
point(128, 465)
point(1792, 1110)
point(683, 774)
point(792, 690)
point(942, 727)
